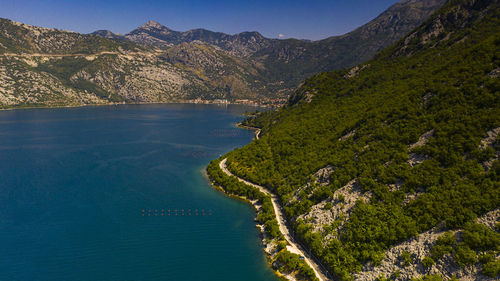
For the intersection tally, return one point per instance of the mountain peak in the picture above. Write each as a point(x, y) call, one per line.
point(107, 34)
point(153, 24)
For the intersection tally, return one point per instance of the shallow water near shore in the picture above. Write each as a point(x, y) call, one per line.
point(118, 193)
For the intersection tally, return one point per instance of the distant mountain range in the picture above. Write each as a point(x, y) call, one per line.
point(241, 44)
point(140, 66)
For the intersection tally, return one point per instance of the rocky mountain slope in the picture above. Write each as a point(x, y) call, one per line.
point(389, 170)
point(301, 59)
point(49, 67)
point(241, 44)
point(291, 61)
point(20, 38)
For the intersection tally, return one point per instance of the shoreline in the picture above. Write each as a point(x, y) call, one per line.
point(274, 246)
point(292, 245)
point(255, 129)
point(262, 234)
point(283, 227)
point(129, 103)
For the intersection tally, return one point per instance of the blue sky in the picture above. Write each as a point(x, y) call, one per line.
point(306, 19)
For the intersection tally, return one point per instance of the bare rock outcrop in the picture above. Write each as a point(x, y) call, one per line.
point(490, 138)
point(495, 73)
point(343, 201)
point(348, 135)
point(489, 141)
point(322, 176)
point(416, 158)
point(419, 247)
point(353, 72)
point(422, 140)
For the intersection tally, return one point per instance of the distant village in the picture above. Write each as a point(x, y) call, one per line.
point(265, 102)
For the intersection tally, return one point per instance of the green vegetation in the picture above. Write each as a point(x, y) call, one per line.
point(492, 268)
point(395, 275)
point(429, 278)
point(425, 82)
point(480, 237)
point(55, 41)
point(428, 262)
point(406, 258)
point(243, 66)
point(465, 255)
point(444, 245)
point(288, 262)
point(291, 262)
point(328, 206)
point(292, 60)
point(476, 243)
point(66, 67)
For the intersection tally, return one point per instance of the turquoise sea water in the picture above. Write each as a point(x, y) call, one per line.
point(85, 195)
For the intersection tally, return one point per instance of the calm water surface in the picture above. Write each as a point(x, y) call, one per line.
point(82, 192)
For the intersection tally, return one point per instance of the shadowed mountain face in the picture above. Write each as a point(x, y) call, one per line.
point(295, 60)
point(156, 64)
point(108, 34)
point(292, 60)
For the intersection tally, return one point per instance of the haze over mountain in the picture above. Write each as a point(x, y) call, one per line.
point(155, 64)
point(293, 60)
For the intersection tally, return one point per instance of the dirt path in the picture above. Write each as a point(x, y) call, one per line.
point(278, 210)
point(34, 55)
point(57, 55)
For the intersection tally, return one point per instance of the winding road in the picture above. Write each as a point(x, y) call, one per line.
point(278, 210)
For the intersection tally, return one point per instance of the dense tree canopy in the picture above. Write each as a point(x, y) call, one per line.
point(442, 79)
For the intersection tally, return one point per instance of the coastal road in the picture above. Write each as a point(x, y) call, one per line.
point(257, 130)
point(278, 210)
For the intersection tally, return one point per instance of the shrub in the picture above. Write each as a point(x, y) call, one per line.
point(395, 275)
point(465, 255)
point(281, 245)
point(491, 269)
point(480, 237)
point(443, 245)
point(427, 262)
point(406, 258)
point(328, 206)
point(486, 257)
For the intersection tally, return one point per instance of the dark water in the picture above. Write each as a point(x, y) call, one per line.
point(82, 192)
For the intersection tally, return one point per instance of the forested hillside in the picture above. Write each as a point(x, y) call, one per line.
point(366, 158)
point(293, 60)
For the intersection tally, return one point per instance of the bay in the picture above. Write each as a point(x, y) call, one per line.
point(118, 193)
